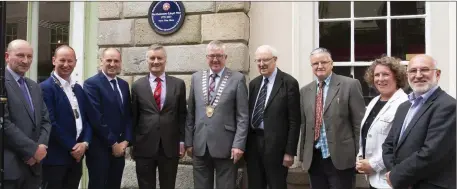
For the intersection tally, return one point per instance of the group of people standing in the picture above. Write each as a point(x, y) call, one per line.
point(398, 141)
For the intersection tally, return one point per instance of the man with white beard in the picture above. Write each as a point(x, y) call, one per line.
point(419, 151)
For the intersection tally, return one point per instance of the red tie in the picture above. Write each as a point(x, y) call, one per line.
point(318, 121)
point(158, 91)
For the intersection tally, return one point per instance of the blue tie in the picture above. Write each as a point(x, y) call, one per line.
point(116, 92)
point(259, 107)
point(23, 87)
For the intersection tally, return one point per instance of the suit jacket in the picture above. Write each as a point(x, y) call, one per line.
point(281, 117)
point(377, 133)
point(343, 112)
point(63, 132)
point(228, 126)
point(23, 130)
point(152, 125)
point(115, 116)
point(425, 155)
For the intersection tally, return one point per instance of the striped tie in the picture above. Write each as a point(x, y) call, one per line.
point(257, 118)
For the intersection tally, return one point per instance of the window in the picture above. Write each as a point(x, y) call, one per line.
point(59, 35)
point(10, 33)
point(358, 32)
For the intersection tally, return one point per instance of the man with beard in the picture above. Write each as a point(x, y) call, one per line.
point(68, 107)
point(110, 96)
point(419, 151)
point(217, 121)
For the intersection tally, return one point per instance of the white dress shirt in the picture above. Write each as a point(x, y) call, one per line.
point(117, 83)
point(153, 85)
point(271, 81)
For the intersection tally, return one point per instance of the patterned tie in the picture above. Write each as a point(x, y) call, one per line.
point(23, 87)
point(319, 108)
point(158, 92)
point(257, 118)
point(212, 87)
point(116, 92)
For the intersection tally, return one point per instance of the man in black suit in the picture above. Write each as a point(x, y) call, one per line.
point(159, 117)
point(419, 151)
point(26, 124)
point(274, 110)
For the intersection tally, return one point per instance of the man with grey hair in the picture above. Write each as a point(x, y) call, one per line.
point(217, 121)
point(159, 117)
point(419, 151)
point(332, 108)
point(274, 126)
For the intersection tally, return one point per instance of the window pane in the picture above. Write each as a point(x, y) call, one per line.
point(408, 37)
point(50, 13)
point(16, 19)
point(335, 36)
point(370, 8)
point(407, 8)
point(368, 92)
point(342, 70)
point(334, 9)
point(370, 39)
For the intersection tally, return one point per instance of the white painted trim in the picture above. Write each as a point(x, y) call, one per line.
point(77, 24)
point(428, 28)
point(389, 30)
point(372, 18)
point(295, 40)
point(32, 34)
point(352, 34)
point(452, 49)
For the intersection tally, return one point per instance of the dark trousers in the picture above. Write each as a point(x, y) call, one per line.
point(62, 176)
point(264, 169)
point(146, 170)
point(105, 170)
point(204, 167)
point(324, 175)
point(28, 180)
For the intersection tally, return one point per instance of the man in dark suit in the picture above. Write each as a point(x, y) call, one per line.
point(26, 122)
point(110, 96)
point(332, 108)
point(217, 121)
point(71, 132)
point(274, 109)
point(419, 151)
point(159, 118)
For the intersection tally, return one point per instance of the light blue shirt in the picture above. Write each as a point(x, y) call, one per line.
point(322, 141)
point(271, 81)
point(416, 104)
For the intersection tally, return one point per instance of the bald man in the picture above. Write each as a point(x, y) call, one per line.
point(26, 121)
point(69, 111)
point(419, 151)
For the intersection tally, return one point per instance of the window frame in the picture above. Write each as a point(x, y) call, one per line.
point(10, 32)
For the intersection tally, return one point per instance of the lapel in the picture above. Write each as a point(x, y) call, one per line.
point(170, 90)
point(401, 116)
point(77, 89)
point(418, 114)
point(312, 90)
point(369, 108)
point(144, 84)
point(63, 97)
point(276, 86)
point(36, 100)
point(13, 84)
point(332, 91)
point(255, 92)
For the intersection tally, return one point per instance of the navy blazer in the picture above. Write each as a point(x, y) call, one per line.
point(63, 132)
point(117, 117)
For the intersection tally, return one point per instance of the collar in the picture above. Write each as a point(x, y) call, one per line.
point(412, 96)
point(272, 77)
point(327, 80)
point(108, 77)
point(14, 74)
point(63, 81)
point(218, 74)
point(153, 77)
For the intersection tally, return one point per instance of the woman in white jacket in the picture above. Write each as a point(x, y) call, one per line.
point(388, 76)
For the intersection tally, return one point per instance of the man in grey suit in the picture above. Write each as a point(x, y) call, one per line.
point(26, 124)
point(217, 121)
point(332, 108)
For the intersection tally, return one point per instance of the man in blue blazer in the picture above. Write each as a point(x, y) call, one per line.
point(71, 132)
point(110, 95)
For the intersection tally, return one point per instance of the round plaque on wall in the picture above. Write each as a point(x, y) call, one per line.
point(166, 17)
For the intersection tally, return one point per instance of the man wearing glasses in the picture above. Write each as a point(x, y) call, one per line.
point(274, 126)
point(217, 121)
point(332, 108)
point(419, 151)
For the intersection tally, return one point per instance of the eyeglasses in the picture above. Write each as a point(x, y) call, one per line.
point(315, 64)
point(265, 60)
point(217, 56)
point(423, 71)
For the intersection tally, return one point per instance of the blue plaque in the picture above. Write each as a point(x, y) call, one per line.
point(166, 17)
